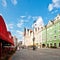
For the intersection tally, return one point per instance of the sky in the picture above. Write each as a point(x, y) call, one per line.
point(18, 14)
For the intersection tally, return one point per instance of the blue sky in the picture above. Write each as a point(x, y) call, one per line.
point(22, 13)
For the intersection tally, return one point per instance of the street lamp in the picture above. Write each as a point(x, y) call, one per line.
point(33, 37)
point(16, 42)
point(46, 35)
point(33, 40)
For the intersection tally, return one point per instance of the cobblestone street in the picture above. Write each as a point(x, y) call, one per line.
point(39, 54)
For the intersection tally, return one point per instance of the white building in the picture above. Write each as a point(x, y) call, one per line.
point(28, 37)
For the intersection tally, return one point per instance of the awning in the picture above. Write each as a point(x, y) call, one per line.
point(4, 33)
point(3, 37)
point(3, 29)
point(7, 39)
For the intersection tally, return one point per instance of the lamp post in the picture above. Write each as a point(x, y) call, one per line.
point(33, 36)
point(33, 40)
point(24, 35)
point(46, 35)
point(16, 43)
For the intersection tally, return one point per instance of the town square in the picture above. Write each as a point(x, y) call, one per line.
point(29, 29)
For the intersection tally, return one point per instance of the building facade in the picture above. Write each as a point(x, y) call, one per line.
point(15, 41)
point(51, 33)
point(28, 36)
point(45, 36)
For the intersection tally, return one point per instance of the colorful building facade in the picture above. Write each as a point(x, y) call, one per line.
point(51, 33)
point(45, 36)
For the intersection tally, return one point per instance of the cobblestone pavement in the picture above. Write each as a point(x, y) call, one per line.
point(39, 54)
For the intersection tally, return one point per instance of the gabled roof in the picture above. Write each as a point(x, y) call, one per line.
point(31, 31)
point(50, 23)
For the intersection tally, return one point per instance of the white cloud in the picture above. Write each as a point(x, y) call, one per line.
point(54, 11)
point(19, 32)
point(54, 1)
point(29, 17)
point(9, 26)
point(19, 35)
point(20, 24)
point(22, 16)
point(1, 14)
point(54, 4)
point(22, 21)
point(39, 22)
point(26, 21)
point(4, 3)
point(50, 7)
point(34, 17)
point(14, 2)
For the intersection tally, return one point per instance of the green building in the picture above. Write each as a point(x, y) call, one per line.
point(51, 33)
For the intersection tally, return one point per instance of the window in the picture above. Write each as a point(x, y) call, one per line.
point(51, 38)
point(50, 44)
point(55, 31)
point(28, 30)
point(54, 44)
point(59, 36)
point(54, 37)
point(59, 44)
point(47, 45)
point(36, 43)
point(59, 31)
